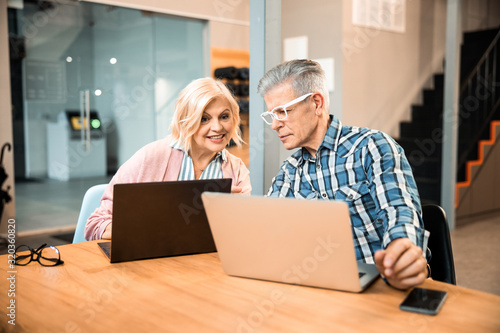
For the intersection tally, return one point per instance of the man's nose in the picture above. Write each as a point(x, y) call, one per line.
point(276, 124)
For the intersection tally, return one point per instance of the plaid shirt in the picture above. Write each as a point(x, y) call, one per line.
point(368, 170)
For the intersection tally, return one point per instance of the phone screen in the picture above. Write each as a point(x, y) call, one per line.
point(427, 301)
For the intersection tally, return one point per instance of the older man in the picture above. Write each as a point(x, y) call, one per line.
point(365, 168)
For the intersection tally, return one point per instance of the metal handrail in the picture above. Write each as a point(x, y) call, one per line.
point(479, 63)
point(480, 119)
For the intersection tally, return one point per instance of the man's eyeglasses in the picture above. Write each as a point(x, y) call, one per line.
point(45, 255)
point(279, 112)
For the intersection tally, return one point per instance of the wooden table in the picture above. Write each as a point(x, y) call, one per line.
point(192, 294)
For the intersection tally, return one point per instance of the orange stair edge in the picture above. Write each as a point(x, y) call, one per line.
point(479, 161)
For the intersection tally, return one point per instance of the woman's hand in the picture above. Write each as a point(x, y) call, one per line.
point(236, 189)
point(107, 232)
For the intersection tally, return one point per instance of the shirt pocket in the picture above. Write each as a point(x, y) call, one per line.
point(306, 194)
point(353, 192)
point(355, 197)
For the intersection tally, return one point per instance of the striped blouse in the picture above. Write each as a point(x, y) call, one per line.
point(212, 171)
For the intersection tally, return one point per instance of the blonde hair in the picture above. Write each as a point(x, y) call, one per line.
point(192, 102)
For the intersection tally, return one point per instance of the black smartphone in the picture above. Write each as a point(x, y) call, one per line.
point(426, 301)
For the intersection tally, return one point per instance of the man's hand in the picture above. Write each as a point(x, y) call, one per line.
point(402, 264)
point(107, 232)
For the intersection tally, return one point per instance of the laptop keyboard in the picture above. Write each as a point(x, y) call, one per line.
point(106, 248)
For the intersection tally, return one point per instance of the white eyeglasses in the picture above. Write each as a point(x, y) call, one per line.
point(279, 112)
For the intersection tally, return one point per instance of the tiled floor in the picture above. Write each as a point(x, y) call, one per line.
point(48, 209)
point(475, 249)
point(50, 205)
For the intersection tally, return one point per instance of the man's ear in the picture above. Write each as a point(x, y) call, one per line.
point(319, 101)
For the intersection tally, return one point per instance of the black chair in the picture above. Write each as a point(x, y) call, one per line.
point(441, 263)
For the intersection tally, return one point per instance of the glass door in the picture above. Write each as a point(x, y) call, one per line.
point(98, 83)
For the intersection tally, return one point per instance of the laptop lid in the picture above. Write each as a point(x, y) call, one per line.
point(162, 219)
point(286, 240)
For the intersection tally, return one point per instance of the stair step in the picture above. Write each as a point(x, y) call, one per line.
point(438, 81)
point(429, 189)
point(420, 139)
point(433, 97)
point(428, 167)
point(421, 112)
point(461, 174)
point(420, 129)
point(427, 122)
point(472, 155)
point(474, 170)
point(417, 149)
point(472, 36)
point(473, 47)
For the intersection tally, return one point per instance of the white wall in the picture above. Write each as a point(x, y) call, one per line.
point(228, 19)
point(321, 22)
point(378, 74)
point(384, 72)
point(324, 35)
point(480, 14)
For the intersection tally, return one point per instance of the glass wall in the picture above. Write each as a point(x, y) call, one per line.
point(125, 67)
point(132, 63)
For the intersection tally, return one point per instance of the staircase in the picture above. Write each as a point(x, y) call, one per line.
point(421, 138)
point(478, 194)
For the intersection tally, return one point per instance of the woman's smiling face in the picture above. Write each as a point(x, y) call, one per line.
point(215, 128)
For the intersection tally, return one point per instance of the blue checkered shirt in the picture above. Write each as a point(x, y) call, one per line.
point(368, 170)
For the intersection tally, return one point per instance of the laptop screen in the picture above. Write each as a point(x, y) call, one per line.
point(162, 219)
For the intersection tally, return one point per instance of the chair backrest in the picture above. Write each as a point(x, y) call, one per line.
point(442, 264)
point(91, 201)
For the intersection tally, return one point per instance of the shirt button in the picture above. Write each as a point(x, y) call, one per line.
point(318, 166)
point(351, 196)
point(324, 195)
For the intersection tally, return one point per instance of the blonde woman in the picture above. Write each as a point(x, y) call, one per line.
point(206, 118)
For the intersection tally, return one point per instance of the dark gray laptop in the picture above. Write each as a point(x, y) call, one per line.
point(152, 220)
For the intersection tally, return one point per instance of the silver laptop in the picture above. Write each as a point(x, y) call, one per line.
point(304, 242)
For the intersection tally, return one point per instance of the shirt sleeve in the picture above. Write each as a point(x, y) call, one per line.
point(102, 216)
point(281, 184)
point(238, 172)
point(394, 191)
point(243, 179)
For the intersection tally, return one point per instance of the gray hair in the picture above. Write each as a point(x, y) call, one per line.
point(304, 75)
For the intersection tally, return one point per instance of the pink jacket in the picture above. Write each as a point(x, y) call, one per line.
point(156, 162)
